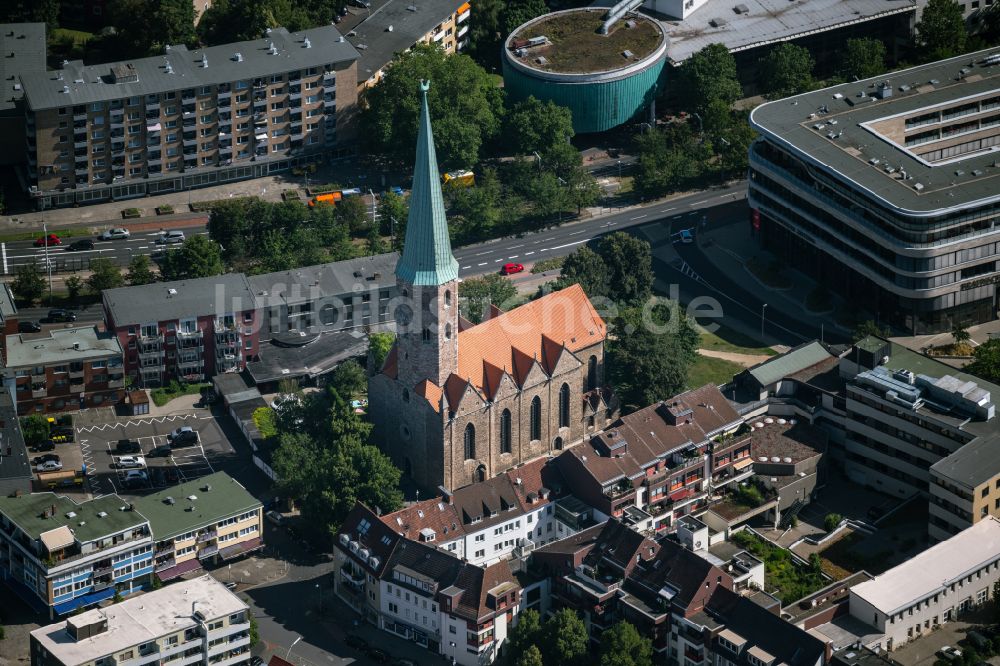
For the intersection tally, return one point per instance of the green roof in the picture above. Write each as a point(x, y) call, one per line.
point(27, 512)
point(792, 361)
point(225, 497)
point(427, 259)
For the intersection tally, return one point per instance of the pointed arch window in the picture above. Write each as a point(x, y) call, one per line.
point(505, 431)
point(564, 406)
point(592, 373)
point(470, 442)
point(536, 418)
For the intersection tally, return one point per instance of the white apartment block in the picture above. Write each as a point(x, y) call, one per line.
point(932, 588)
point(195, 621)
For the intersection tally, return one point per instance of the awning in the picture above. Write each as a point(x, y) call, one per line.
point(178, 570)
point(153, 128)
point(261, 137)
point(740, 464)
point(85, 600)
point(57, 539)
point(230, 552)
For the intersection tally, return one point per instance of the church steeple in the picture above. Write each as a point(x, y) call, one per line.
point(427, 259)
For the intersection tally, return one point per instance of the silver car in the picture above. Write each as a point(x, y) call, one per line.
point(170, 238)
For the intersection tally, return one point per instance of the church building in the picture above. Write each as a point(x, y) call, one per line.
point(456, 403)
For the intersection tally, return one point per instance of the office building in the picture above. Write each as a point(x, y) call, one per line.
point(211, 519)
point(195, 621)
point(186, 330)
point(886, 190)
point(965, 487)
point(189, 119)
point(64, 369)
point(59, 555)
point(931, 588)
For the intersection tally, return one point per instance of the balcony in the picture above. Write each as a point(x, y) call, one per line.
point(152, 106)
point(224, 324)
point(207, 536)
point(464, 29)
point(208, 551)
point(76, 388)
point(39, 393)
point(116, 383)
point(231, 661)
point(80, 117)
point(462, 17)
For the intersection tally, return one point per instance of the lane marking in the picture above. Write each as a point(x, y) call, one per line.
point(667, 210)
point(527, 253)
point(484, 253)
point(559, 247)
point(698, 203)
point(637, 217)
point(582, 231)
point(514, 257)
point(482, 264)
point(514, 247)
point(464, 267)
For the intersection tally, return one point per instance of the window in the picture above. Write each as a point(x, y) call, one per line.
point(564, 406)
point(505, 431)
point(592, 373)
point(470, 442)
point(536, 418)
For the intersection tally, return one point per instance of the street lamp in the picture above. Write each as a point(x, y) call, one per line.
point(48, 263)
point(287, 654)
point(320, 590)
point(762, 308)
point(619, 171)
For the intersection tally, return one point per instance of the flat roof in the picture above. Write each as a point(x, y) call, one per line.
point(7, 306)
point(573, 44)
point(863, 156)
point(337, 278)
point(140, 619)
point(935, 568)
point(798, 441)
point(183, 299)
point(23, 49)
point(87, 523)
point(15, 470)
point(321, 355)
point(77, 83)
point(218, 496)
point(769, 22)
point(972, 465)
point(60, 345)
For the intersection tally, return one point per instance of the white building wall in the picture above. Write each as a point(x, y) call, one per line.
point(403, 605)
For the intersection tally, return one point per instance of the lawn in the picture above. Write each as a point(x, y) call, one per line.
point(162, 396)
point(783, 576)
point(706, 370)
point(727, 340)
point(32, 235)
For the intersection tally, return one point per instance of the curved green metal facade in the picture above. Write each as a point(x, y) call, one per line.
point(597, 106)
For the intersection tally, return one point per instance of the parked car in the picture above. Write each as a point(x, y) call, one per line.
point(183, 436)
point(49, 466)
point(356, 642)
point(115, 234)
point(275, 517)
point(170, 238)
point(28, 327)
point(48, 457)
point(135, 478)
point(60, 314)
point(686, 236)
point(131, 462)
point(948, 652)
point(49, 240)
point(510, 269)
point(128, 446)
point(85, 244)
point(47, 445)
point(162, 451)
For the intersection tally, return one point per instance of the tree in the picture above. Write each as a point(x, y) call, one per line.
point(104, 274)
point(266, 421)
point(586, 268)
point(831, 521)
point(476, 295)
point(530, 657)
point(74, 285)
point(532, 126)
point(564, 639)
point(623, 645)
point(869, 328)
point(669, 158)
point(786, 70)
point(465, 107)
point(518, 12)
point(863, 58)
point(525, 634)
point(649, 357)
point(348, 378)
point(28, 285)
point(379, 345)
point(941, 30)
point(629, 262)
point(960, 333)
point(34, 429)
point(709, 74)
point(986, 361)
point(198, 257)
point(393, 209)
point(254, 630)
point(31, 11)
point(140, 271)
point(476, 210)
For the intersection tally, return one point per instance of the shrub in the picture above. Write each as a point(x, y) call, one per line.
point(165, 209)
point(831, 521)
point(555, 263)
point(131, 213)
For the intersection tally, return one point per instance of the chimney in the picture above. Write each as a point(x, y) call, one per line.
point(446, 494)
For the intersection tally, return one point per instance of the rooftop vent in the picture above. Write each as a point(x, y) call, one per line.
point(542, 60)
point(306, 44)
point(192, 497)
point(389, 29)
point(918, 186)
point(102, 514)
point(168, 68)
point(171, 291)
point(65, 89)
point(169, 500)
point(238, 57)
point(411, 8)
point(272, 49)
point(627, 54)
point(741, 9)
point(718, 22)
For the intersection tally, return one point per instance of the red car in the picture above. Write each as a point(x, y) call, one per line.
point(510, 269)
point(51, 239)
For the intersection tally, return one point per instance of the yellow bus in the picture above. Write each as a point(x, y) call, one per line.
point(460, 178)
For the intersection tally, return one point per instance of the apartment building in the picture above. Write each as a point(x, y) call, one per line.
point(931, 588)
point(189, 119)
point(194, 621)
point(965, 487)
point(211, 519)
point(64, 369)
point(15, 469)
point(663, 461)
point(23, 47)
point(399, 25)
point(59, 555)
point(187, 330)
point(360, 561)
point(886, 190)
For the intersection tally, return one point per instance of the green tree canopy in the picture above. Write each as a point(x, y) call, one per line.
point(986, 361)
point(709, 74)
point(525, 634)
point(564, 639)
point(28, 285)
point(670, 158)
point(465, 105)
point(623, 645)
point(477, 294)
point(198, 257)
point(349, 378)
point(862, 58)
point(530, 657)
point(586, 268)
point(869, 327)
point(146, 26)
point(104, 274)
point(941, 30)
point(532, 126)
point(140, 271)
point(393, 210)
point(74, 285)
point(786, 70)
point(379, 345)
point(518, 12)
point(620, 269)
point(35, 429)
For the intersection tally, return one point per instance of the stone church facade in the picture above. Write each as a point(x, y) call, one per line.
point(457, 403)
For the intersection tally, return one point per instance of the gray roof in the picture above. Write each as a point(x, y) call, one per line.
point(60, 346)
point(377, 46)
point(93, 83)
point(222, 294)
point(945, 185)
point(769, 22)
point(322, 355)
point(792, 361)
point(15, 472)
point(235, 387)
point(7, 306)
point(338, 278)
point(23, 48)
point(975, 463)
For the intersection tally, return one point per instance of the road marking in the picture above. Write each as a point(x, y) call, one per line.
point(698, 203)
point(483, 253)
point(514, 257)
point(514, 247)
point(482, 264)
point(667, 210)
point(497, 261)
point(3, 247)
point(527, 253)
point(464, 267)
point(559, 247)
point(143, 247)
point(582, 231)
point(637, 217)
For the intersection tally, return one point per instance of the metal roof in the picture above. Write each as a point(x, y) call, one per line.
point(76, 83)
point(183, 299)
point(792, 361)
point(84, 343)
point(22, 46)
point(337, 278)
point(861, 157)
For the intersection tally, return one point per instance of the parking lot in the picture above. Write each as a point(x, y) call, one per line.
point(163, 466)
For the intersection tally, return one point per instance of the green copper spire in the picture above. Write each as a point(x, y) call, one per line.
point(427, 258)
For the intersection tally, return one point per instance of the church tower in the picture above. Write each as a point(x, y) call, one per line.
point(426, 274)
